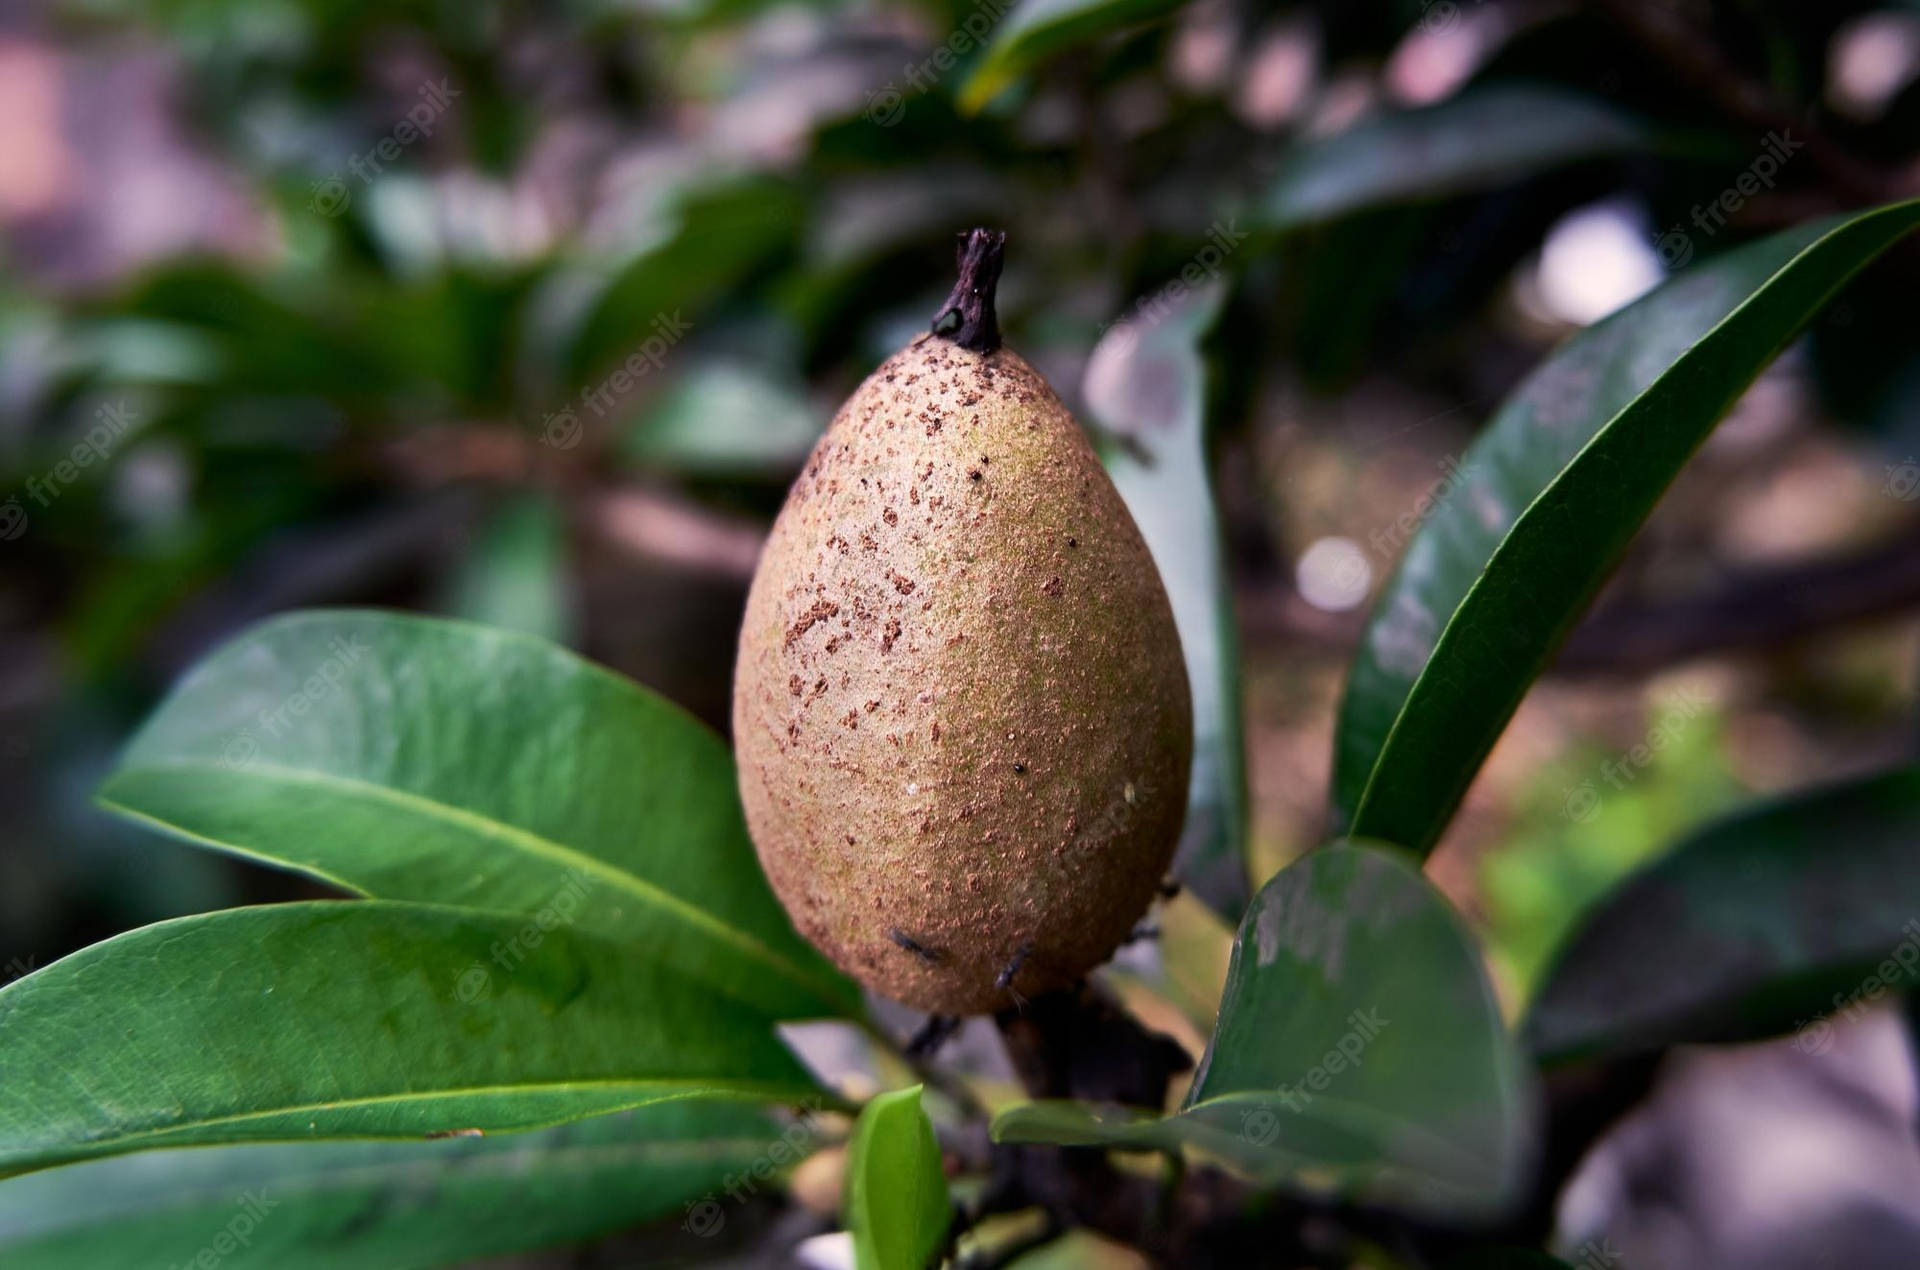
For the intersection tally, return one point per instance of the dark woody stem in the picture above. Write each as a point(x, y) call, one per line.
point(967, 318)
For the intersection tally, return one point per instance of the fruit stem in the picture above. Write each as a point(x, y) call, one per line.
point(967, 318)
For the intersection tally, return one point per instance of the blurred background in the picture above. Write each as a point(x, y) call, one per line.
point(528, 313)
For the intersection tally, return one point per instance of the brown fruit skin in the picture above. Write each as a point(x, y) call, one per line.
point(960, 709)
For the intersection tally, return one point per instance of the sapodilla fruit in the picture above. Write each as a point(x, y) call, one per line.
point(961, 714)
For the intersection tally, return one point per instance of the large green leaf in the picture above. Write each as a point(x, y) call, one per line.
point(897, 1205)
point(1360, 1051)
point(1782, 916)
point(369, 1019)
point(1551, 493)
point(380, 1205)
point(1146, 382)
point(1038, 29)
point(1486, 136)
point(411, 758)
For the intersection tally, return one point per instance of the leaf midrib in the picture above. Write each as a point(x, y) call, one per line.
point(1363, 803)
point(513, 836)
point(669, 1088)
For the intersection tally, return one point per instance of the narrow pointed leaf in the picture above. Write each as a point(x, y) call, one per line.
point(1485, 137)
point(1360, 1052)
point(897, 1206)
point(379, 1205)
point(1552, 492)
point(1038, 29)
point(1784, 916)
point(1146, 382)
point(369, 1019)
point(411, 758)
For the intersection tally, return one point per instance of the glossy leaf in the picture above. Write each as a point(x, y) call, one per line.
point(1146, 383)
point(1779, 917)
point(897, 1206)
point(1484, 137)
point(1038, 29)
point(339, 1019)
point(411, 758)
point(1360, 1052)
point(515, 576)
point(379, 1205)
point(1550, 495)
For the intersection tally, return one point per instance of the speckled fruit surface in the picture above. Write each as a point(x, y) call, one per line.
point(960, 710)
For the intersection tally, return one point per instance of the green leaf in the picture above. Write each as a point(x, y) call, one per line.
point(1146, 383)
point(1779, 917)
point(1038, 29)
point(1544, 505)
point(1485, 137)
point(897, 1206)
point(373, 1019)
point(516, 574)
point(721, 236)
point(1360, 1052)
point(729, 421)
point(412, 758)
point(381, 1205)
